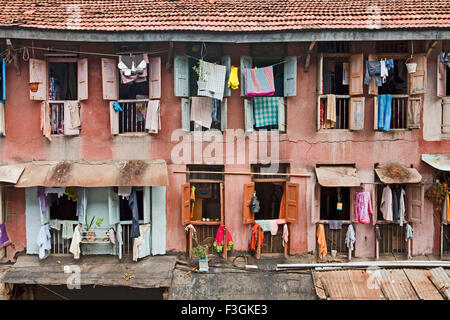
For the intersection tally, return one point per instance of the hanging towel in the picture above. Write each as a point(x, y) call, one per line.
point(265, 110)
point(259, 82)
point(265, 224)
point(214, 76)
point(152, 119)
point(4, 237)
point(43, 241)
point(74, 108)
point(55, 224)
point(383, 71)
point(321, 240)
point(67, 229)
point(384, 111)
point(124, 192)
point(386, 204)
point(59, 191)
point(139, 241)
point(45, 120)
point(330, 120)
point(363, 207)
point(233, 81)
point(273, 227)
point(81, 203)
point(201, 110)
point(75, 244)
point(44, 199)
point(409, 232)
point(350, 237)
point(218, 241)
point(132, 203)
point(285, 234)
point(335, 224)
point(111, 236)
point(401, 207)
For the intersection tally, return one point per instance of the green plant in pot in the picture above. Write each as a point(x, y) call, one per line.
point(89, 228)
point(201, 251)
point(201, 83)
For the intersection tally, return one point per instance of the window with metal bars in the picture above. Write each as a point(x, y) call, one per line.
point(132, 118)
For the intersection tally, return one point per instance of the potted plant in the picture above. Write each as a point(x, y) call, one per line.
point(201, 83)
point(89, 233)
point(201, 251)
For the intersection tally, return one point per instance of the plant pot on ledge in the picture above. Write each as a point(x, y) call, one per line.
point(33, 86)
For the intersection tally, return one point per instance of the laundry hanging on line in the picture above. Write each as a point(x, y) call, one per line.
point(259, 82)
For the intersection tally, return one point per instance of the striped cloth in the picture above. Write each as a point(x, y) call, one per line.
point(265, 110)
point(259, 82)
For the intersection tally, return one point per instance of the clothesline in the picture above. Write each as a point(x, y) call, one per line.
point(275, 64)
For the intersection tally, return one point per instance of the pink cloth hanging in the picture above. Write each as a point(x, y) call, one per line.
point(363, 207)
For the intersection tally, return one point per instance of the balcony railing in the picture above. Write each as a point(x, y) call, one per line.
point(342, 112)
point(132, 119)
point(399, 111)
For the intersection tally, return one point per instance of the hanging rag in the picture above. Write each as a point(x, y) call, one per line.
point(265, 111)
point(350, 237)
point(201, 110)
point(335, 224)
point(413, 113)
point(71, 193)
point(192, 200)
point(43, 241)
point(75, 244)
point(132, 203)
point(330, 120)
point(111, 236)
point(321, 241)
point(445, 58)
point(124, 192)
point(44, 200)
point(233, 81)
point(139, 241)
point(373, 68)
point(386, 204)
point(253, 234)
point(119, 239)
point(214, 77)
point(59, 191)
point(377, 233)
point(74, 108)
point(285, 236)
point(383, 71)
point(254, 204)
point(153, 119)
point(55, 224)
point(265, 224)
point(384, 111)
point(273, 227)
point(259, 82)
point(345, 73)
point(409, 232)
point(133, 68)
point(67, 229)
point(117, 106)
point(188, 227)
point(363, 207)
point(218, 241)
point(401, 207)
point(216, 109)
point(45, 120)
point(4, 237)
point(81, 203)
point(395, 204)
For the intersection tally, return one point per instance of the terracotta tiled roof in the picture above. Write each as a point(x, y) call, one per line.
point(223, 15)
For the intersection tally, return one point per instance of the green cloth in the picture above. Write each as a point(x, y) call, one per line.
point(265, 224)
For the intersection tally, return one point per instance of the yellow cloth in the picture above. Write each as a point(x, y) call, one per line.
point(321, 240)
point(331, 111)
point(233, 81)
point(72, 193)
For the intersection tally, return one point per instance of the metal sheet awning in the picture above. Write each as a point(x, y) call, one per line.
point(438, 160)
point(94, 174)
point(338, 176)
point(11, 173)
point(397, 173)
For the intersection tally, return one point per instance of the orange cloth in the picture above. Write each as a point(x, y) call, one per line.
point(447, 200)
point(192, 201)
point(252, 241)
point(321, 240)
point(282, 213)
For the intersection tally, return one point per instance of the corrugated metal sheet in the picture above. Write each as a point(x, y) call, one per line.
point(94, 174)
point(423, 287)
point(11, 173)
point(438, 161)
point(338, 176)
point(411, 175)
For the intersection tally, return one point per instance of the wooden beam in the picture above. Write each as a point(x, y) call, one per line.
point(431, 48)
point(169, 63)
point(308, 55)
point(249, 173)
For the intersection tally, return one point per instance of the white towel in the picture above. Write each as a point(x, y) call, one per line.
point(350, 237)
point(75, 244)
point(139, 240)
point(285, 234)
point(214, 75)
point(43, 241)
point(55, 224)
point(201, 109)
point(152, 119)
point(59, 190)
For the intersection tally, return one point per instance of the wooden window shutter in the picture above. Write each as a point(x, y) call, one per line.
point(113, 207)
point(114, 119)
point(223, 115)
point(181, 76)
point(3, 97)
point(38, 73)
point(246, 62)
point(248, 217)
point(290, 76)
point(441, 78)
point(319, 85)
point(110, 79)
point(147, 204)
point(292, 201)
point(373, 89)
point(282, 114)
point(186, 114)
point(226, 61)
point(417, 81)
point(154, 80)
point(356, 74)
point(185, 203)
point(446, 115)
point(68, 129)
point(415, 202)
point(2, 119)
point(352, 204)
point(413, 112)
point(356, 113)
point(82, 76)
point(373, 197)
point(315, 204)
point(249, 121)
point(375, 113)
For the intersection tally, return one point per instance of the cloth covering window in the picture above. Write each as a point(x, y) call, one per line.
point(133, 68)
point(214, 77)
point(201, 110)
point(265, 110)
point(259, 82)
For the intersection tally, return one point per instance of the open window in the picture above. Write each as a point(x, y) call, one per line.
point(398, 100)
point(61, 83)
point(2, 97)
point(443, 91)
point(340, 105)
point(186, 86)
point(269, 113)
point(132, 84)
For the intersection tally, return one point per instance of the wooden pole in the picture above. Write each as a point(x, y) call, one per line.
point(190, 232)
point(377, 249)
point(249, 173)
point(225, 244)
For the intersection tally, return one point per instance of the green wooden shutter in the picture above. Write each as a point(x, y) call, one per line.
point(249, 121)
point(158, 203)
point(290, 76)
point(226, 61)
point(246, 62)
point(186, 114)
point(181, 74)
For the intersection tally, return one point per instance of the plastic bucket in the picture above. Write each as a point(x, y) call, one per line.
point(411, 67)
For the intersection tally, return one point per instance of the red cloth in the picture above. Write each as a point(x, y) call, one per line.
point(255, 229)
point(218, 241)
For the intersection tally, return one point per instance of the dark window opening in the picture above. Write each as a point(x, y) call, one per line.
point(205, 176)
point(391, 46)
point(132, 118)
point(331, 199)
point(333, 76)
point(125, 211)
point(333, 47)
point(135, 90)
point(394, 188)
point(269, 195)
point(396, 82)
point(207, 202)
point(63, 81)
point(447, 84)
point(63, 208)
